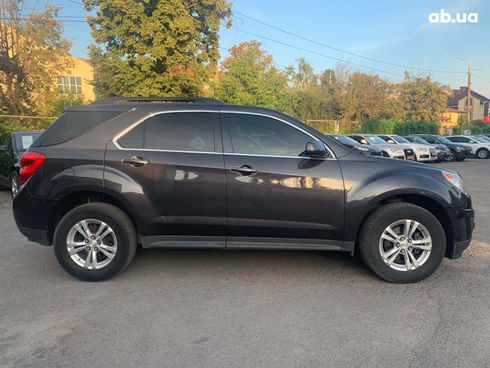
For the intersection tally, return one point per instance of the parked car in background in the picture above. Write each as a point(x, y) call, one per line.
point(422, 152)
point(482, 136)
point(458, 151)
point(193, 173)
point(12, 146)
point(388, 150)
point(362, 148)
point(442, 151)
point(479, 147)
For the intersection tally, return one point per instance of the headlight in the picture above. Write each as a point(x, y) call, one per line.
point(455, 179)
point(458, 149)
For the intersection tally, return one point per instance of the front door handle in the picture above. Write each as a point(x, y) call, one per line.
point(243, 170)
point(135, 161)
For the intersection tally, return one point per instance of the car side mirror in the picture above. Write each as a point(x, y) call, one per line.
point(472, 142)
point(363, 141)
point(391, 141)
point(315, 149)
point(3, 148)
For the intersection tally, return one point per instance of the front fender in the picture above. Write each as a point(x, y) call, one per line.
point(362, 197)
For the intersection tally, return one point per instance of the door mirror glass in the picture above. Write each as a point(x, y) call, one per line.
point(363, 141)
point(315, 149)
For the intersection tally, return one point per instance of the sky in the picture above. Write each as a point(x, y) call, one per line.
point(354, 32)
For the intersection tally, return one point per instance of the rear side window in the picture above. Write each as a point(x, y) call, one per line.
point(183, 131)
point(73, 124)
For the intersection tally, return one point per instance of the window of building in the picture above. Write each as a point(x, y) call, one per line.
point(69, 84)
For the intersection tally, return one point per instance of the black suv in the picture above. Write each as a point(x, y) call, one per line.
point(12, 146)
point(194, 172)
point(458, 152)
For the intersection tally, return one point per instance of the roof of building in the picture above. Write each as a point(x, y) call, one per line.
point(462, 92)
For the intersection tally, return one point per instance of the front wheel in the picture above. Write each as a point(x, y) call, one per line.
point(483, 153)
point(95, 241)
point(402, 243)
point(450, 157)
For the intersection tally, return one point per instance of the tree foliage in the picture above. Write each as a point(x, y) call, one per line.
point(152, 47)
point(422, 99)
point(31, 47)
point(249, 77)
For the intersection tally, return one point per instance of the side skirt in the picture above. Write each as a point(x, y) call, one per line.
point(170, 241)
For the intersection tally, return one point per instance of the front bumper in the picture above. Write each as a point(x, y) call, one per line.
point(463, 223)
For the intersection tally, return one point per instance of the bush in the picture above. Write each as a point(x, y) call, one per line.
point(478, 127)
point(415, 127)
point(382, 126)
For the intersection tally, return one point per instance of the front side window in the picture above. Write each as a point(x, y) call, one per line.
point(261, 135)
point(184, 131)
point(374, 139)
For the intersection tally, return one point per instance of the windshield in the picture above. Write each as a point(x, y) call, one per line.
point(25, 140)
point(483, 138)
point(444, 140)
point(374, 140)
point(345, 140)
point(400, 139)
point(419, 140)
point(478, 139)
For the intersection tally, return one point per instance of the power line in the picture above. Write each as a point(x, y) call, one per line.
point(44, 20)
point(319, 54)
point(76, 2)
point(345, 51)
point(483, 79)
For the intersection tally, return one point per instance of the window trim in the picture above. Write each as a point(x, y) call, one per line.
point(148, 116)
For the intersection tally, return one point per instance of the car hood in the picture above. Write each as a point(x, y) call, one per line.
point(391, 146)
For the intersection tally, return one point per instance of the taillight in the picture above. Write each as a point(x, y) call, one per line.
point(29, 163)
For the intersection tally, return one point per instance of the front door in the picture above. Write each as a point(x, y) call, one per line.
point(173, 168)
point(276, 198)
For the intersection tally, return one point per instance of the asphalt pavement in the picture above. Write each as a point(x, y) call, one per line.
point(208, 308)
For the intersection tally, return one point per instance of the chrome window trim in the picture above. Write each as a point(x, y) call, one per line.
point(148, 116)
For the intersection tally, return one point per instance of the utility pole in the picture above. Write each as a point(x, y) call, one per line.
point(468, 100)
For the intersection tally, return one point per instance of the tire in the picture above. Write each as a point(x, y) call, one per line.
point(370, 243)
point(121, 239)
point(14, 184)
point(482, 153)
point(450, 158)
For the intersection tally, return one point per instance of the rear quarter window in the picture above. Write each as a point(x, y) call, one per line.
point(73, 124)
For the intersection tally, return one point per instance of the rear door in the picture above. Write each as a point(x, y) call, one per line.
point(171, 169)
point(276, 198)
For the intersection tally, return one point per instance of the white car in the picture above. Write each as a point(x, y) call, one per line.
point(423, 152)
point(479, 146)
point(401, 152)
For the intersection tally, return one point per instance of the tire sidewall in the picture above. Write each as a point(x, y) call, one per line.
point(123, 235)
point(14, 177)
point(369, 246)
point(483, 150)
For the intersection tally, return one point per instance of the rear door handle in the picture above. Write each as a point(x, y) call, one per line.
point(243, 170)
point(135, 161)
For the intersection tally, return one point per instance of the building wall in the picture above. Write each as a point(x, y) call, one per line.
point(477, 107)
point(78, 79)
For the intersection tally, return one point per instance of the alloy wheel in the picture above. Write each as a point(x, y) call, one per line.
point(405, 245)
point(91, 244)
point(483, 153)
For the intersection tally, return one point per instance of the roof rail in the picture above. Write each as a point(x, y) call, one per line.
point(128, 100)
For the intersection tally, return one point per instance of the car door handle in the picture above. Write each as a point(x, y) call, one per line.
point(135, 161)
point(243, 170)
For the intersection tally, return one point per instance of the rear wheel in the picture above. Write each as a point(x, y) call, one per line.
point(402, 243)
point(450, 157)
point(95, 241)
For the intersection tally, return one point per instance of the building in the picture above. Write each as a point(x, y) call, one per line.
point(457, 102)
point(77, 79)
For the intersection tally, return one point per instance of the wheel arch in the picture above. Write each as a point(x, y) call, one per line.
point(72, 200)
point(428, 203)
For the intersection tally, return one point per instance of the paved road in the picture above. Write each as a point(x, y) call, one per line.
point(245, 308)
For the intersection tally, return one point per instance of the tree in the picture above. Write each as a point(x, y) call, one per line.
point(249, 77)
point(31, 47)
point(151, 47)
point(422, 99)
